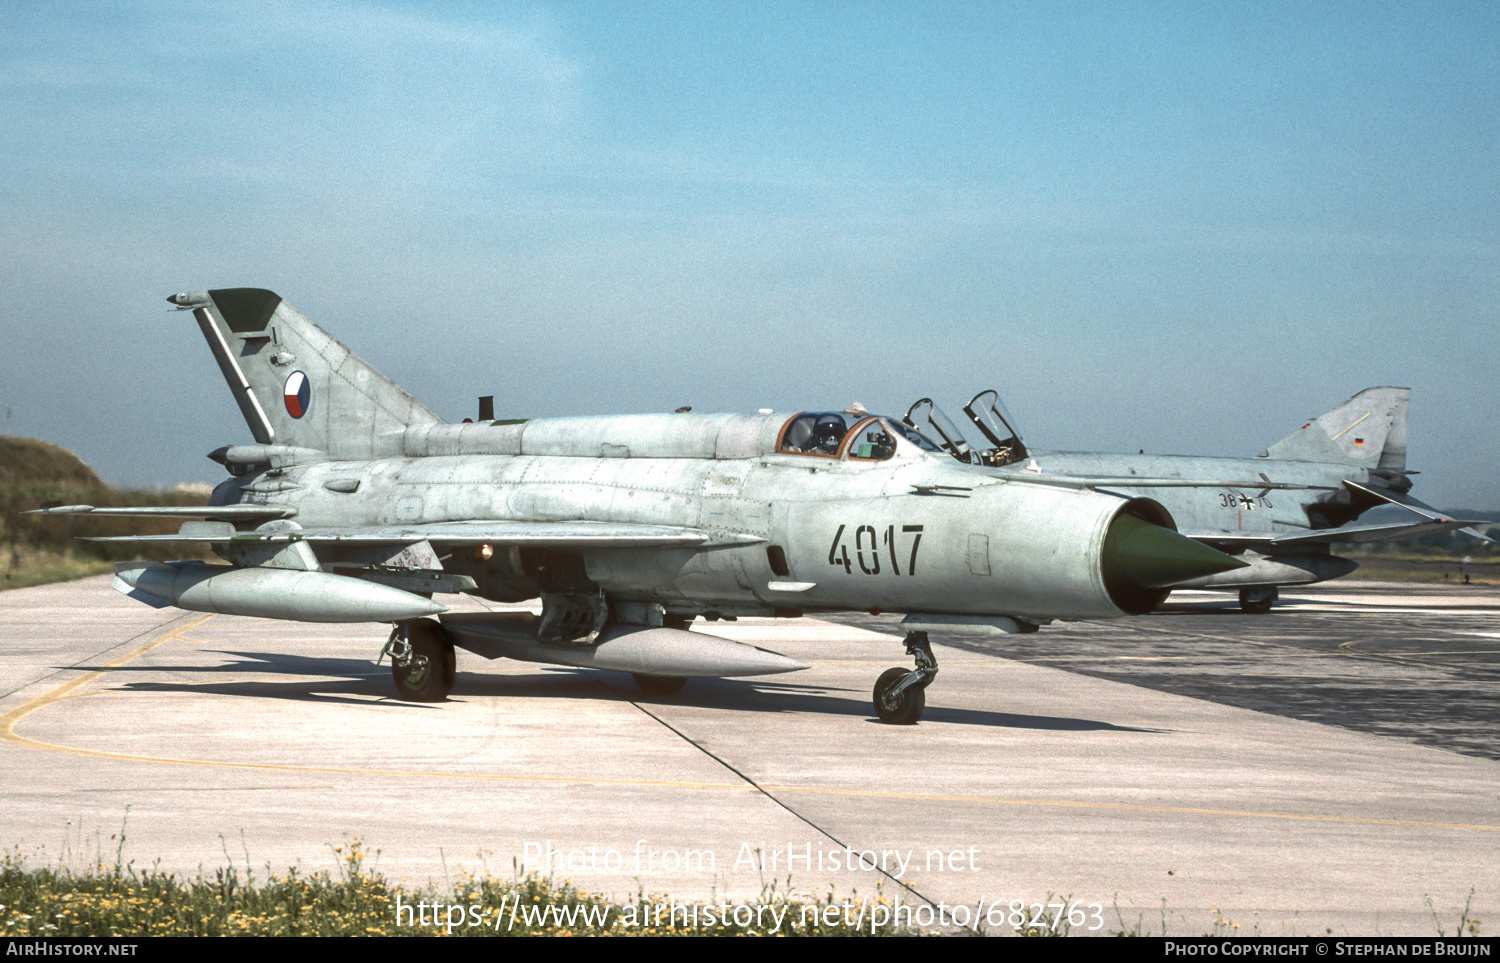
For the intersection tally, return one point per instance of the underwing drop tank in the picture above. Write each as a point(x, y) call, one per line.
point(268, 593)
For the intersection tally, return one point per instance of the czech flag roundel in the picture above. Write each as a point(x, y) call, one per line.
point(297, 394)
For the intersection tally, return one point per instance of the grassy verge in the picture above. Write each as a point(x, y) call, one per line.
point(121, 901)
point(25, 567)
point(1465, 925)
point(1414, 565)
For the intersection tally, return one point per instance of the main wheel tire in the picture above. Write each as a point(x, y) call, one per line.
point(906, 708)
point(1257, 601)
point(659, 685)
point(428, 673)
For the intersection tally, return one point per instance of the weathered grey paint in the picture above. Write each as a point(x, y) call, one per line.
point(1046, 567)
point(617, 520)
point(356, 411)
point(271, 593)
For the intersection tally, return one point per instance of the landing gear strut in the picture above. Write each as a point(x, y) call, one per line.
point(901, 694)
point(422, 663)
point(1258, 600)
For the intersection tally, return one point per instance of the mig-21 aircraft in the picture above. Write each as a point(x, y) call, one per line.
point(357, 504)
point(1329, 472)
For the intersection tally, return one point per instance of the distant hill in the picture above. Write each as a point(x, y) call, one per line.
point(27, 460)
point(1450, 545)
point(38, 474)
point(1474, 513)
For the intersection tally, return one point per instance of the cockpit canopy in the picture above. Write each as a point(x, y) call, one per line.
point(832, 433)
point(988, 414)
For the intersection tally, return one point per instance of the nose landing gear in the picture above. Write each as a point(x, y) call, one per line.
point(901, 694)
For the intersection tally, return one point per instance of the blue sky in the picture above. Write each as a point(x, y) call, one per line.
point(1178, 227)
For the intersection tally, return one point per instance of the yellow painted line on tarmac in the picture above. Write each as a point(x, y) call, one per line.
point(68, 689)
point(1152, 658)
point(1454, 652)
point(1485, 611)
point(1423, 652)
point(947, 661)
point(9, 720)
point(1349, 647)
point(1129, 807)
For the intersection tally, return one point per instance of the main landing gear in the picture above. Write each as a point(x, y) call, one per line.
point(901, 694)
point(1258, 600)
point(422, 662)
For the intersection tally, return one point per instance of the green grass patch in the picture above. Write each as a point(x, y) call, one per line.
point(121, 901)
point(24, 566)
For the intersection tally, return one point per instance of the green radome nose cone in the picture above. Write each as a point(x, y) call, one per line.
point(1144, 555)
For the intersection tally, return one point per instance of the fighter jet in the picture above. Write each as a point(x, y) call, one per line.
point(356, 503)
point(1279, 511)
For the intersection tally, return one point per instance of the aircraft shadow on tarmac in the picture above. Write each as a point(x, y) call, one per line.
point(1230, 609)
point(1200, 608)
point(356, 681)
point(325, 680)
point(746, 695)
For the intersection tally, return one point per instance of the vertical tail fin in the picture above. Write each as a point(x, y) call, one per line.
point(294, 383)
point(1368, 431)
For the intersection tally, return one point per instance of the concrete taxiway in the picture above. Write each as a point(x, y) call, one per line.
point(1330, 765)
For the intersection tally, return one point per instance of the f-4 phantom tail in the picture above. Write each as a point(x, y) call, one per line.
point(355, 503)
point(1280, 511)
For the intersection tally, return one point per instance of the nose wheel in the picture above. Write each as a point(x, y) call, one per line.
point(901, 694)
